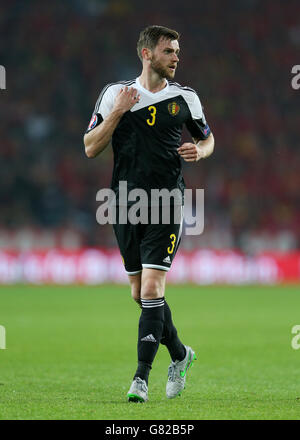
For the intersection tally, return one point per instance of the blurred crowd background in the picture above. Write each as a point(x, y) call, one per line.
point(238, 55)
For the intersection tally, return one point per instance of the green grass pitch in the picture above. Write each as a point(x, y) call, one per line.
point(71, 353)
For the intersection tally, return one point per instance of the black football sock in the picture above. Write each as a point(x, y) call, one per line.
point(170, 338)
point(151, 326)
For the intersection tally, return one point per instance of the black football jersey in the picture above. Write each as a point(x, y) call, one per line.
point(146, 139)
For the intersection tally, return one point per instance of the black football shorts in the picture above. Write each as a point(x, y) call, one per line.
point(149, 245)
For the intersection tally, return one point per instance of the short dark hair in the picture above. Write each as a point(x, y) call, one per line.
point(150, 36)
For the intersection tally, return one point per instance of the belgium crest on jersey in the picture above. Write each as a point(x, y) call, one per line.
point(173, 108)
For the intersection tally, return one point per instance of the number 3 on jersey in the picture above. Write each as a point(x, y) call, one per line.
point(152, 110)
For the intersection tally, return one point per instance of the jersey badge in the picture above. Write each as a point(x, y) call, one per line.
point(173, 108)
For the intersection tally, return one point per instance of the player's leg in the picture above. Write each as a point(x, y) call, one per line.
point(153, 283)
point(169, 337)
point(153, 287)
point(128, 240)
point(158, 249)
point(156, 323)
point(151, 323)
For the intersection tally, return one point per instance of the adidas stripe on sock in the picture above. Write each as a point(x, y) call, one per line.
point(150, 303)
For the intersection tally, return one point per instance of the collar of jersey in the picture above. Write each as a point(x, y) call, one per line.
point(161, 92)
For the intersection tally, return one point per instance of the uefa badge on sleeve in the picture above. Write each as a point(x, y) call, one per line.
point(93, 122)
point(206, 130)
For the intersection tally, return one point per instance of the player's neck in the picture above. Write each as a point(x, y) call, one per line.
point(152, 81)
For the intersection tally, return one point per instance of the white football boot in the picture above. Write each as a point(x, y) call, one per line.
point(177, 373)
point(138, 392)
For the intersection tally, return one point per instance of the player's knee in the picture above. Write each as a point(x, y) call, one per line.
point(152, 288)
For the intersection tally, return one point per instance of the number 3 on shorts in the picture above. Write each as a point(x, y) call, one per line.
point(173, 241)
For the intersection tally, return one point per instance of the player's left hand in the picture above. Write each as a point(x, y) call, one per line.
point(190, 152)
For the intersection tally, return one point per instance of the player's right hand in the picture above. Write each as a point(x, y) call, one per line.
point(126, 99)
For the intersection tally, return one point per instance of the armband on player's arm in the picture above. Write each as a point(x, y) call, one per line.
point(99, 137)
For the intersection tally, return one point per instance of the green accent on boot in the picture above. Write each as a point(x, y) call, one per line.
point(135, 398)
point(182, 373)
point(188, 364)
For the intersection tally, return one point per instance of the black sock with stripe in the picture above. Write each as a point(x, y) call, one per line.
point(151, 326)
point(170, 338)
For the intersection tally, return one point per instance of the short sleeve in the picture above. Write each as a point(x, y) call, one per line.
point(102, 109)
point(196, 124)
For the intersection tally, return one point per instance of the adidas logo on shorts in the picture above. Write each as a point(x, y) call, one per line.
point(167, 260)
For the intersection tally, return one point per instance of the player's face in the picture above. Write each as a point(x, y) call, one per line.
point(165, 58)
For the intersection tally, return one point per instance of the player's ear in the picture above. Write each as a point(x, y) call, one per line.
point(146, 53)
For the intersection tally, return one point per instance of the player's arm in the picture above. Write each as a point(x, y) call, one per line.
point(99, 138)
point(96, 140)
point(200, 149)
point(203, 139)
